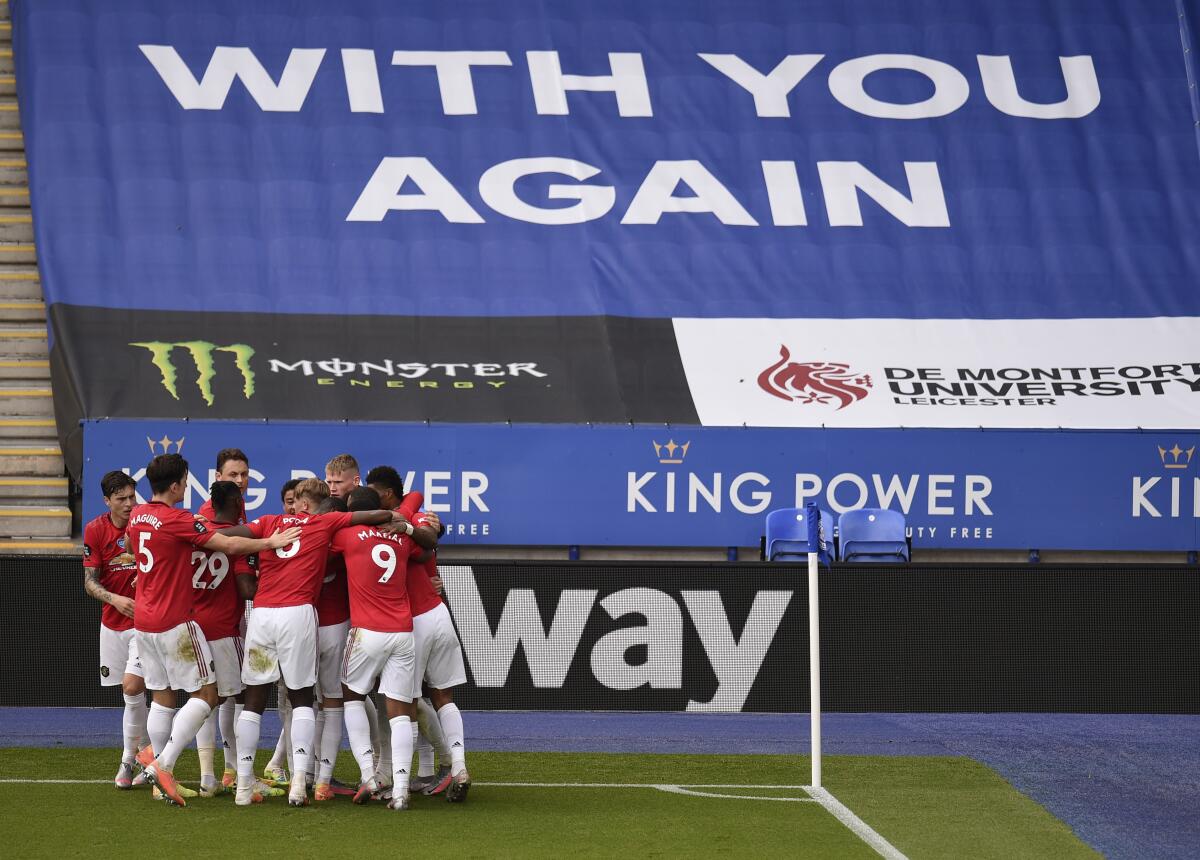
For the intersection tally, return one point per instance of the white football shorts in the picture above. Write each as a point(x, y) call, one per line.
point(227, 658)
point(331, 651)
point(439, 654)
point(118, 655)
point(176, 659)
point(281, 641)
point(388, 657)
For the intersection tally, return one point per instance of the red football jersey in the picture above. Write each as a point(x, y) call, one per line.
point(104, 550)
point(333, 604)
point(292, 575)
point(206, 511)
point(162, 539)
point(375, 572)
point(217, 606)
point(421, 595)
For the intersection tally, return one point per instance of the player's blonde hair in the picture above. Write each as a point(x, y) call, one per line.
point(342, 463)
point(313, 489)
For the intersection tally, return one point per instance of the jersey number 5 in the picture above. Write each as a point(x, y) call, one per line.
point(145, 557)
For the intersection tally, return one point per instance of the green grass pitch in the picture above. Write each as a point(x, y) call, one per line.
point(923, 806)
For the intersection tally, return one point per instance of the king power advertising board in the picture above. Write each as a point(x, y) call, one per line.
point(693, 486)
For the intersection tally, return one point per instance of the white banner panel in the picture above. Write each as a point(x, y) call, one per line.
point(1077, 373)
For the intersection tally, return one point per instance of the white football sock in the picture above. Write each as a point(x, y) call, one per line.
point(383, 767)
point(331, 739)
point(206, 745)
point(228, 722)
point(315, 759)
point(133, 726)
point(283, 747)
point(431, 729)
point(158, 726)
point(424, 755)
point(402, 750)
point(452, 727)
point(187, 722)
point(145, 734)
point(373, 720)
point(304, 727)
point(358, 730)
point(249, 725)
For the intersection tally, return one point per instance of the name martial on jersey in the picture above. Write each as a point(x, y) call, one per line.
point(373, 533)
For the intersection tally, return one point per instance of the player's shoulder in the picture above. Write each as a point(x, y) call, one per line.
point(98, 525)
point(332, 520)
point(182, 515)
point(143, 514)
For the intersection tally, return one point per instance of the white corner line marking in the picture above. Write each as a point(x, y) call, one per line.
point(859, 827)
point(679, 789)
point(56, 781)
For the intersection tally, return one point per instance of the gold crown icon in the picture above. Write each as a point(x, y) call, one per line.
point(1176, 453)
point(165, 444)
point(670, 448)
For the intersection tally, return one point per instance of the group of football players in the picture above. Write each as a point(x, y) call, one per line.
point(336, 600)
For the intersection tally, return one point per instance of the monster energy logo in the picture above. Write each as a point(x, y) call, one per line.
point(202, 354)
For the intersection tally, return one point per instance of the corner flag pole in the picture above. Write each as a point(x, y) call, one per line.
point(816, 548)
point(814, 664)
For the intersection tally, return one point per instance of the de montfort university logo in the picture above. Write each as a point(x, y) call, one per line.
point(203, 356)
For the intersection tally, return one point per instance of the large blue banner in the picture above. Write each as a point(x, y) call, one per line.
point(693, 486)
point(761, 158)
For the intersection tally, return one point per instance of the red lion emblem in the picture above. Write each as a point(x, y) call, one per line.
point(813, 381)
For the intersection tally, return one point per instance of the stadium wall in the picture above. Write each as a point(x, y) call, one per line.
point(733, 637)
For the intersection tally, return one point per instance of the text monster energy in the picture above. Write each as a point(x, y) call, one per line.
point(202, 354)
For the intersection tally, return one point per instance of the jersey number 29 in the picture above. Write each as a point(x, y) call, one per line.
point(217, 564)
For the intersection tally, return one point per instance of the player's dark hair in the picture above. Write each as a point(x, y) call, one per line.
point(286, 488)
point(333, 503)
point(363, 499)
point(114, 482)
point(165, 470)
point(227, 454)
point(386, 476)
point(224, 496)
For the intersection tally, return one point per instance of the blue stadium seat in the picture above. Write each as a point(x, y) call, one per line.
point(787, 534)
point(873, 534)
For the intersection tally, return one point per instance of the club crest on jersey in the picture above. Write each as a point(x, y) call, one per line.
point(121, 541)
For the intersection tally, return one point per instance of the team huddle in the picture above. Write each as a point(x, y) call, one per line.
point(332, 600)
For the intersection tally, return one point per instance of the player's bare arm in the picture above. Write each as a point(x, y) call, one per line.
point(371, 518)
point(422, 536)
point(237, 540)
point(247, 587)
point(91, 584)
point(427, 534)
